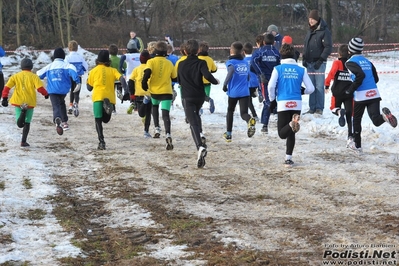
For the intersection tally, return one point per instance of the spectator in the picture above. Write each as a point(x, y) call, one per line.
point(137, 40)
point(277, 37)
point(318, 46)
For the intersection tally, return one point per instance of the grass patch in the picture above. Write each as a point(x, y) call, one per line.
point(2, 185)
point(35, 214)
point(27, 183)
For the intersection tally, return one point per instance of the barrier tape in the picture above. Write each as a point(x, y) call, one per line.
point(218, 48)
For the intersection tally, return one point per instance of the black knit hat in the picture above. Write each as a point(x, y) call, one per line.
point(314, 14)
point(26, 64)
point(356, 45)
point(59, 53)
point(103, 56)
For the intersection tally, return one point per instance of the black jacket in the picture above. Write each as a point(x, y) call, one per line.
point(189, 75)
point(318, 43)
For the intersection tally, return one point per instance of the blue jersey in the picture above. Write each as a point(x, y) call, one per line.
point(238, 85)
point(2, 53)
point(253, 79)
point(286, 79)
point(368, 89)
point(59, 74)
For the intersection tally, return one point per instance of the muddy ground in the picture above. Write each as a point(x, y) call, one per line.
point(243, 208)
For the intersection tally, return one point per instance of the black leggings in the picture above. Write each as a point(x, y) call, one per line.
point(144, 110)
point(373, 110)
point(74, 96)
point(284, 129)
point(232, 102)
point(191, 109)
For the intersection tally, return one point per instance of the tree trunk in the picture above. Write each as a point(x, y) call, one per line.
point(60, 22)
point(1, 26)
point(18, 30)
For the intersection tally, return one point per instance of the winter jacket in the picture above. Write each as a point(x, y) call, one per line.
point(365, 78)
point(264, 60)
point(190, 76)
point(2, 53)
point(318, 43)
point(287, 79)
point(59, 74)
point(78, 61)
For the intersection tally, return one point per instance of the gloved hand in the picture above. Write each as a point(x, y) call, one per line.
point(303, 90)
point(318, 64)
point(326, 89)
point(4, 102)
point(77, 87)
point(273, 105)
point(304, 64)
point(126, 96)
point(225, 88)
point(349, 91)
point(46, 97)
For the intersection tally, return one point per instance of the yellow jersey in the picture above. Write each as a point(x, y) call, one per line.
point(211, 66)
point(102, 78)
point(137, 77)
point(162, 73)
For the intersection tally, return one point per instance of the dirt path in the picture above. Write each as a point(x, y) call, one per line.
point(243, 208)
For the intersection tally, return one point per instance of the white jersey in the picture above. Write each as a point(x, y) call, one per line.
point(132, 61)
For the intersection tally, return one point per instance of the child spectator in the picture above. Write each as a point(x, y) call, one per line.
point(81, 66)
point(142, 97)
point(342, 81)
point(285, 92)
point(24, 96)
point(288, 40)
point(263, 61)
point(366, 94)
point(60, 75)
point(236, 85)
point(158, 74)
point(253, 79)
point(101, 82)
point(204, 55)
point(190, 76)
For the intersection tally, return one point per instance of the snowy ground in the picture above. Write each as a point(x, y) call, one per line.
point(243, 198)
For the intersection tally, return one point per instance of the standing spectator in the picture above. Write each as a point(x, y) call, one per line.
point(236, 86)
point(317, 48)
point(278, 39)
point(101, 81)
point(158, 74)
point(253, 79)
point(24, 96)
point(263, 61)
point(137, 40)
point(2, 53)
point(81, 66)
point(366, 93)
point(285, 92)
point(60, 75)
point(190, 77)
point(342, 81)
point(204, 55)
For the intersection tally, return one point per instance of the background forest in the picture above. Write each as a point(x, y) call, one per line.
point(45, 24)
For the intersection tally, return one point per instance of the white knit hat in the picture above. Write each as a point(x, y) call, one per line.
point(356, 45)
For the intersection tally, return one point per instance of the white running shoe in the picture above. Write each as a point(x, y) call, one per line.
point(201, 157)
